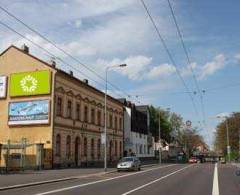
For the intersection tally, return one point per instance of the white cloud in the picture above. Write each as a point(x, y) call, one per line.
point(210, 68)
point(163, 70)
point(78, 23)
point(237, 57)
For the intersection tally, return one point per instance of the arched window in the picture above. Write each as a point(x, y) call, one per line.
point(58, 145)
point(85, 147)
point(68, 147)
point(116, 148)
point(92, 148)
point(99, 148)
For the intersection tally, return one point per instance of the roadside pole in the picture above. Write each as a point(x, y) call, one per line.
point(159, 139)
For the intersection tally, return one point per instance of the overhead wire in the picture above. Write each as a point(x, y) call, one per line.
point(200, 92)
point(170, 56)
point(62, 50)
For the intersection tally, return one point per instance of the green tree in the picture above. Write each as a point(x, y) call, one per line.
point(221, 135)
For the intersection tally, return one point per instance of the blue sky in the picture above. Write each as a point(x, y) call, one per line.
point(107, 32)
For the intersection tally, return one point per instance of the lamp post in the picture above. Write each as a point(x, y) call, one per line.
point(105, 112)
point(159, 134)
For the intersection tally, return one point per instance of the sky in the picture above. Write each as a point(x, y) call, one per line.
point(100, 33)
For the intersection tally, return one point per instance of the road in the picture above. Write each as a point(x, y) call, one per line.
point(173, 179)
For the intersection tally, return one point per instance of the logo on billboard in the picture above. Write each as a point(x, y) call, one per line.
point(30, 83)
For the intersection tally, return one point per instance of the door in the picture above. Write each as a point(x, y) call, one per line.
point(77, 145)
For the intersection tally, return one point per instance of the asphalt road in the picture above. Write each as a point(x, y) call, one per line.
point(186, 179)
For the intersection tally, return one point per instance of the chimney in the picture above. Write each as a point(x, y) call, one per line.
point(71, 73)
point(53, 62)
point(25, 48)
point(85, 81)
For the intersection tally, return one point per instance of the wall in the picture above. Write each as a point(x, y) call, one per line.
point(14, 61)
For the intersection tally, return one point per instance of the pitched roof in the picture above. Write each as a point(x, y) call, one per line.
point(61, 72)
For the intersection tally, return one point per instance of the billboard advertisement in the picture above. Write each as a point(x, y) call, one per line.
point(3, 86)
point(30, 83)
point(28, 112)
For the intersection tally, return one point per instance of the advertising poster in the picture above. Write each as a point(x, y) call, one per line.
point(30, 83)
point(3, 86)
point(28, 112)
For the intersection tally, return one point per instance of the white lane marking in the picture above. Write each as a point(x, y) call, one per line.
point(100, 181)
point(154, 181)
point(215, 188)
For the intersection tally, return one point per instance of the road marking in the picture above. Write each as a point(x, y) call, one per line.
point(100, 181)
point(215, 189)
point(157, 180)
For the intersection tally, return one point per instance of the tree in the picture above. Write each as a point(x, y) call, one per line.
point(221, 135)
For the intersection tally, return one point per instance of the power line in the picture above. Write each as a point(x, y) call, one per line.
point(60, 49)
point(188, 58)
point(45, 50)
point(170, 56)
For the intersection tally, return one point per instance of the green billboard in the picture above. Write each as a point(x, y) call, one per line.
point(30, 83)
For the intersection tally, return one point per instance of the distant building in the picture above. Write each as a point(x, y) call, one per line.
point(137, 137)
point(50, 118)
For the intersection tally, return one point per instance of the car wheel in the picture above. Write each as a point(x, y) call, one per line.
point(139, 168)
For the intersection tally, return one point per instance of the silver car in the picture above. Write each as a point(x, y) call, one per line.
point(129, 163)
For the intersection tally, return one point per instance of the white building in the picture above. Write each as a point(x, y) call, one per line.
point(137, 137)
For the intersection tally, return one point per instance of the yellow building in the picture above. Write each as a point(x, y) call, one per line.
point(44, 107)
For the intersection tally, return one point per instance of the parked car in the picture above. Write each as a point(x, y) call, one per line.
point(193, 160)
point(129, 163)
point(222, 160)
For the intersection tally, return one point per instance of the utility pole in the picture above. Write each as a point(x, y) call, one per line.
point(228, 144)
point(159, 138)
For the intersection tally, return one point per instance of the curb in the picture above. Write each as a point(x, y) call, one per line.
point(59, 180)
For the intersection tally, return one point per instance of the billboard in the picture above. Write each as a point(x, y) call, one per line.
point(28, 112)
point(3, 86)
point(30, 83)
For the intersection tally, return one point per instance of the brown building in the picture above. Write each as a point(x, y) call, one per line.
point(61, 115)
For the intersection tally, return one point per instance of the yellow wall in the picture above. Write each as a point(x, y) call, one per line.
point(14, 61)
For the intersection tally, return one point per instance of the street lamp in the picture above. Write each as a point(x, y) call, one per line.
point(228, 144)
point(105, 112)
point(159, 135)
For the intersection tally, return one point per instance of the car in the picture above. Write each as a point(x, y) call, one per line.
point(129, 164)
point(222, 160)
point(193, 160)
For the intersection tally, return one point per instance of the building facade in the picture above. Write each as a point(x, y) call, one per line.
point(137, 137)
point(56, 110)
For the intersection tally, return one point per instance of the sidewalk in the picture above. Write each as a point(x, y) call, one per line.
point(45, 175)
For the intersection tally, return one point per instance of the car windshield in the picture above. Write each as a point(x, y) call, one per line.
point(128, 159)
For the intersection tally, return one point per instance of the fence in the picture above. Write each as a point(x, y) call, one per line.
point(19, 156)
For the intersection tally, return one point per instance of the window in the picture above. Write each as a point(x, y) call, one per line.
point(69, 109)
point(92, 148)
point(58, 145)
point(99, 118)
point(68, 147)
point(120, 149)
point(110, 121)
point(78, 112)
point(59, 106)
point(120, 123)
point(116, 148)
point(99, 148)
point(115, 122)
point(93, 116)
point(86, 114)
point(85, 147)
